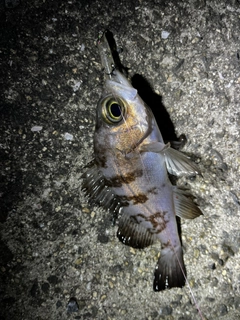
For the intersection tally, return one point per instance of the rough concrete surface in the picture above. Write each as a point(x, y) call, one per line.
point(60, 257)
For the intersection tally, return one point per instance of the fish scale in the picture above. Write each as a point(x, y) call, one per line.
point(130, 174)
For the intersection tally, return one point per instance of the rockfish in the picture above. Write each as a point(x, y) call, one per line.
point(129, 174)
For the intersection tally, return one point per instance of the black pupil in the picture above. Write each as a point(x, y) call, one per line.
point(116, 110)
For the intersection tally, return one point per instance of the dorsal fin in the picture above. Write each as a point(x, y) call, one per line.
point(99, 193)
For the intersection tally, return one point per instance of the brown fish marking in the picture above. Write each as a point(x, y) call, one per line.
point(120, 179)
point(152, 190)
point(157, 220)
point(101, 160)
point(138, 198)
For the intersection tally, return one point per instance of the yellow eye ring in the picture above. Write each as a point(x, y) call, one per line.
point(113, 110)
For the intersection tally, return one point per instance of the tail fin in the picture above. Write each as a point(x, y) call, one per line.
point(170, 270)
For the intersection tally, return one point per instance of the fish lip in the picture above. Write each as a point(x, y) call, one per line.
point(122, 88)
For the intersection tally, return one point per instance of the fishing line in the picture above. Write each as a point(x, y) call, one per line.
point(185, 277)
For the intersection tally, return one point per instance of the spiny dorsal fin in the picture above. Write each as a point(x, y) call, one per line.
point(95, 186)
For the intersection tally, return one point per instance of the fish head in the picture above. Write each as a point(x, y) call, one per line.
point(123, 119)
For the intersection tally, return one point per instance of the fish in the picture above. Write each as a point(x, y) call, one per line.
point(129, 175)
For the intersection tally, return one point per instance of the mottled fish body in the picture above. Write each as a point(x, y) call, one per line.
point(130, 174)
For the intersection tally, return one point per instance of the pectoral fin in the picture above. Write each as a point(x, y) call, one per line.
point(184, 205)
point(176, 162)
point(179, 165)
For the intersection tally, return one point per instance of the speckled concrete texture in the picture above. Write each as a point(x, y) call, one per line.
point(60, 257)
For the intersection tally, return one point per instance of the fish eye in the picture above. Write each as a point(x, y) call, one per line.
point(113, 110)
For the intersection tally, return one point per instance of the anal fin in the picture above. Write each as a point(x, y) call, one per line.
point(184, 205)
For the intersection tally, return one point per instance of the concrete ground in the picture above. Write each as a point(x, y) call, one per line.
point(60, 257)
